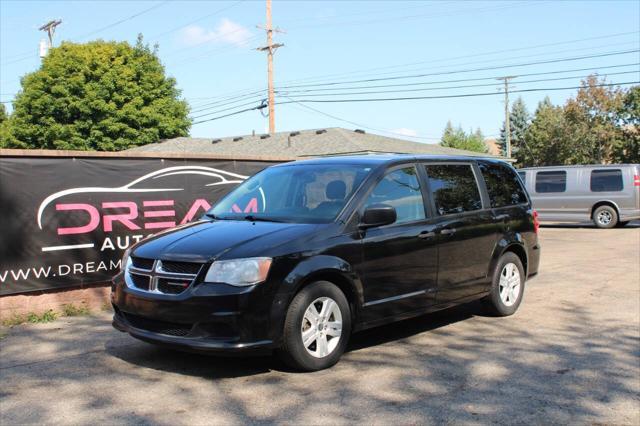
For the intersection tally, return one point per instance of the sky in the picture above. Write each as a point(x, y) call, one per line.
point(338, 50)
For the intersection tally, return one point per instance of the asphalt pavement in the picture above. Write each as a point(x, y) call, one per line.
point(570, 355)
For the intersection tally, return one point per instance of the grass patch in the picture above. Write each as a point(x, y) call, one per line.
point(68, 310)
point(32, 318)
point(74, 311)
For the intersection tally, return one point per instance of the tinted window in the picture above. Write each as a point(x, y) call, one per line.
point(551, 181)
point(503, 185)
point(523, 176)
point(604, 180)
point(401, 190)
point(294, 193)
point(453, 188)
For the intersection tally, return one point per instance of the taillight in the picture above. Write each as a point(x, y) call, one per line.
point(536, 222)
point(636, 180)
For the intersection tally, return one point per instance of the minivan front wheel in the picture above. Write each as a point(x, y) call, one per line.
point(317, 327)
point(507, 286)
point(605, 217)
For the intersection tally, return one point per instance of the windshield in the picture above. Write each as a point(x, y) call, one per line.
point(295, 193)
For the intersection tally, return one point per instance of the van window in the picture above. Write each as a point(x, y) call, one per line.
point(523, 177)
point(453, 188)
point(555, 181)
point(503, 185)
point(606, 180)
point(400, 189)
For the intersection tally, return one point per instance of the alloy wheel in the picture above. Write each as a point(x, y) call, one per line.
point(509, 284)
point(321, 327)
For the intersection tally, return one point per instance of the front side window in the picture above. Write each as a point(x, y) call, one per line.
point(293, 193)
point(503, 185)
point(453, 188)
point(606, 180)
point(401, 190)
point(555, 181)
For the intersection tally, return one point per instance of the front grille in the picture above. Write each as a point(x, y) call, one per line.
point(172, 285)
point(156, 326)
point(181, 267)
point(142, 263)
point(140, 281)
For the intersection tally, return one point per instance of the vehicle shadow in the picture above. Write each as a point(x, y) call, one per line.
point(590, 225)
point(214, 366)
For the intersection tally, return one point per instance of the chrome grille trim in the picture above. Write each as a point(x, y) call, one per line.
point(155, 274)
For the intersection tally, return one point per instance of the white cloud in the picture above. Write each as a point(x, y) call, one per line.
point(226, 32)
point(405, 132)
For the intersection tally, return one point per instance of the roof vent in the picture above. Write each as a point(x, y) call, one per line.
point(216, 140)
point(321, 131)
point(265, 136)
point(294, 133)
point(236, 139)
point(360, 131)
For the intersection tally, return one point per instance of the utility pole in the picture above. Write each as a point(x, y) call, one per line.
point(507, 124)
point(270, 48)
point(50, 29)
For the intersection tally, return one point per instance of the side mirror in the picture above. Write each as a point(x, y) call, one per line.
point(378, 215)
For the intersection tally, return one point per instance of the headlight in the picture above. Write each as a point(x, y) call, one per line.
point(125, 259)
point(239, 272)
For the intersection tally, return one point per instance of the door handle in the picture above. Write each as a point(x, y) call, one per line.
point(502, 217)
point(426, 234)
point(448, 231)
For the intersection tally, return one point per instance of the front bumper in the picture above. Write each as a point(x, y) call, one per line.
point(204, 318)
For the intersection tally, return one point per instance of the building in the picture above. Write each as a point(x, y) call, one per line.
point(300, 144)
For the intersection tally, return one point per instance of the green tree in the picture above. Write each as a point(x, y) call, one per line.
point(545, 140)
point(4, 127)
point(459, 139)
point(592, 126)
point(629, 118)
point(105, 96)
point(519, 121)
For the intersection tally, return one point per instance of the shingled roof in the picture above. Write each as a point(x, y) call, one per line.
point(301, 144)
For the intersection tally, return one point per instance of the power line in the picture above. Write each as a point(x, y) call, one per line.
point(260, 93)
point(113, 24)
point(360, 125)
point(467, 95)
point(454, 87)
point(318, 77)
point(548, 61)
point(466, 57)
point(202, 18)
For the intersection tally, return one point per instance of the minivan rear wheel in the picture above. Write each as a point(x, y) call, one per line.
point(317, 327)
point(605, 217)
point(507, 287)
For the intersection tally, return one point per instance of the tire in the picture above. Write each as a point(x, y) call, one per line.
point(500, 301)
point(324, 347)
point(605, 217)
point(622, 224)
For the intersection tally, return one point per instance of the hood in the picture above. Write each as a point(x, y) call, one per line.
point(204, 240)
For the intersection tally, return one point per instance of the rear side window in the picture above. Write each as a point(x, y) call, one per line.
point(503, 185)
point(606, 180)
point(453, 188)
point(555, 181)
point(401, 190)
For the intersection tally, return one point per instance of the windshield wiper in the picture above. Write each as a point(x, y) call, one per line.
point(253, 218)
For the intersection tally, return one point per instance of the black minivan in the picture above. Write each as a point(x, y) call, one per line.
point(303, 254)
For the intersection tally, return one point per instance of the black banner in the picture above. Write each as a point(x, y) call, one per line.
point(67, 221)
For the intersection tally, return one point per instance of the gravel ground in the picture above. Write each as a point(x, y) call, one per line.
point(570, 355)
